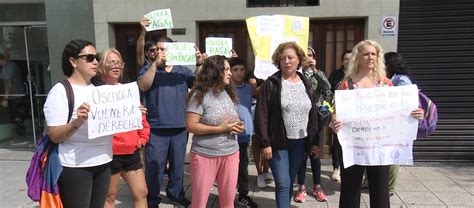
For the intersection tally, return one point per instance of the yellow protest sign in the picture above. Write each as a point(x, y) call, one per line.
point(268, 31)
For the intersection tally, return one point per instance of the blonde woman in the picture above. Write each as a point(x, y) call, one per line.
point(366, 70)
point(126, 146)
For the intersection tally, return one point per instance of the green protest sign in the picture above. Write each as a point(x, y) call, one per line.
point(219, 46)
point(159, 19)
point(180, 53)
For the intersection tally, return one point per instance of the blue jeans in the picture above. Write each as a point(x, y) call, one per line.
point(285, 164)
point(164, 143)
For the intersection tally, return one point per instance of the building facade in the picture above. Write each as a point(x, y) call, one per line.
point(335, 26)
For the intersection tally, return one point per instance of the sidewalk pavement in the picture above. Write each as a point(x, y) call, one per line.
point(437, 184)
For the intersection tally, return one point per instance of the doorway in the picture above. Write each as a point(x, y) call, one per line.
point(24, 84)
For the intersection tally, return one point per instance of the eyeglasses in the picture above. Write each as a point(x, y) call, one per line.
point(89, 57)
point(116, 65)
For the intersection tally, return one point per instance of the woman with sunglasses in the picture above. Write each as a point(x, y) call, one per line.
point(84, 180)
point(126, 146)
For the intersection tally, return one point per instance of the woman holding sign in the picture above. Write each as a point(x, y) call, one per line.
point(84, 180)
point(286, 120)
point(126, 146)
point(211, 115)
point(366, 70)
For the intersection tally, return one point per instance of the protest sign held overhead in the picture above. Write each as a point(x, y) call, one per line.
point(219, 46)
point(267, 32)
point(114, 109)
point(159, 19)
point(377, 128)
point(180, 53)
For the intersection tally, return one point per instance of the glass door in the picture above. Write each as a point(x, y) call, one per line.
point(24, 83)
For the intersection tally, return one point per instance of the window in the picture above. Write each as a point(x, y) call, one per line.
point(281, 3)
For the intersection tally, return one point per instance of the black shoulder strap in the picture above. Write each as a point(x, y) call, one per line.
point(351, 84)
point(70, 97)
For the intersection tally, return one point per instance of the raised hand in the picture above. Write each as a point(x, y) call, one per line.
point(145, 22)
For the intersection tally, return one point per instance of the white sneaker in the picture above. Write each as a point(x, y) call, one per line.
point(261, 181)
point(268, 176)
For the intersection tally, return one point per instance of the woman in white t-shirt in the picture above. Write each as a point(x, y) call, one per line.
point(85, 178)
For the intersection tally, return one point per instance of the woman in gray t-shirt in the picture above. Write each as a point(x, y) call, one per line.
point(211, 115)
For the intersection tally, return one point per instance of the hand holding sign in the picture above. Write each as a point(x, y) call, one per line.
point(159, 19)
point(219, 46)
point(113, 109)
point(145, 22)
point(180, 53)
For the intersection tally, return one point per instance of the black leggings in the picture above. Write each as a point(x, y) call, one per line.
point(351, 179)
point(243, 178)
point(84, 187)
point(335, 151)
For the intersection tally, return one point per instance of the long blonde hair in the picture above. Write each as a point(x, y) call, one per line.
point(103, 62)
point(353, 67)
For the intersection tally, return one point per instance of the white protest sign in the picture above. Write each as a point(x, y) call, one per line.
point(389, 26)
point(180, 53)
point(377, 128)
point(114, 109)
point(219, 46)
point(159, 19)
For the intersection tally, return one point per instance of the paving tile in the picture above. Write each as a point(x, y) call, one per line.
point(427, 206)
point(398, 205)
point(443, 186)
point(455, 198)
point(429, 174)
point(418, 198)
point(469, 188)
point(405, 175)
point(410, 186)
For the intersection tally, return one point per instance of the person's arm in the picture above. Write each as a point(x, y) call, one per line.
point(323, 82)
point(194, 126)
point(146, 80)
point(61, 133)
point(144, 133)
point(261, 121)
point(200, 57)
point(141, 41)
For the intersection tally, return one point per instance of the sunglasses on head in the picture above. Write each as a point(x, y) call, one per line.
point(89, 57)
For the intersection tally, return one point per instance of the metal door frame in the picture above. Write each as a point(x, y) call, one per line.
point(27, 26)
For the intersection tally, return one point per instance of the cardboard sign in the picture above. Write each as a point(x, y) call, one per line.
point(180, 53)
point(159, 19)
point(219, 46)
point(267, 32)
point(114, 109)
point(377, 126)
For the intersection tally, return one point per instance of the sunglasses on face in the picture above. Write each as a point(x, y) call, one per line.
point(89, 57)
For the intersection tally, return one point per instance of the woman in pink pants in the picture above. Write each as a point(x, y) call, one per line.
point(211, 115)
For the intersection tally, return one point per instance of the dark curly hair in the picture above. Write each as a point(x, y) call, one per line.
point(210, 79)
point(72, 49)
point(276, 57)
